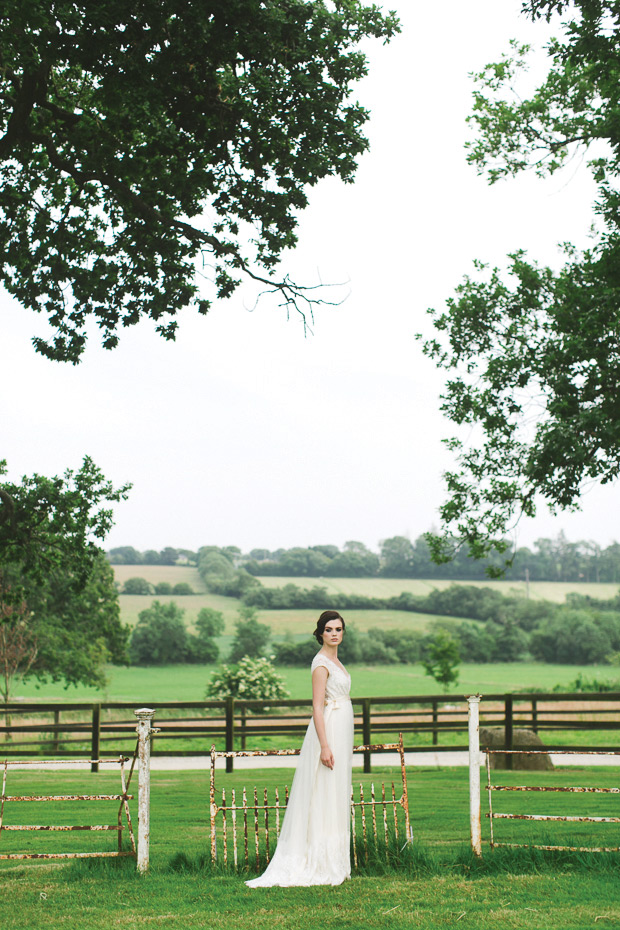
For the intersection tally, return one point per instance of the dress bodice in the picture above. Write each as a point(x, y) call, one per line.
point(338, 686)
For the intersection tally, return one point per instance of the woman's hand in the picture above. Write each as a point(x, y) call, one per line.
point(327, 757)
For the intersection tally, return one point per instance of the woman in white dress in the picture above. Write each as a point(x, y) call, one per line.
point(314, 844)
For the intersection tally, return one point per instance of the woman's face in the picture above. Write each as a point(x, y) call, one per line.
point(332, 634)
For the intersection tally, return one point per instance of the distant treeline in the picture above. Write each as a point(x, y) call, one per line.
point(508, 629)
point(398, 557)
point(127, 555)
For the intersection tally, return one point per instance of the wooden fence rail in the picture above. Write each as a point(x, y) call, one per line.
point(66, 729)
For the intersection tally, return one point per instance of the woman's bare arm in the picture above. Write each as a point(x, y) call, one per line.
point(319, 682)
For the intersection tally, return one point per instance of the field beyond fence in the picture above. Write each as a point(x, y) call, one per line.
point(189, 728)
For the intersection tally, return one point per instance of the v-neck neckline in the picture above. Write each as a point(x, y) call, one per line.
point(338, 666)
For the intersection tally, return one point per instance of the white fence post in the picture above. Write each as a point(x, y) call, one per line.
point(145, 716)
point(475, 829)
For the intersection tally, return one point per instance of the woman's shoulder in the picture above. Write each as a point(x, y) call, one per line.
point(320, 661)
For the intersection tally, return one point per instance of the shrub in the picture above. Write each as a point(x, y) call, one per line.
point(252, 679)
point(137, 586)
point(576, 637)
point(163, 587)
point(237, 584)
point(182, 589)
point(405, 644)
point(591, 685)
point(201, 650)
point(290, 652)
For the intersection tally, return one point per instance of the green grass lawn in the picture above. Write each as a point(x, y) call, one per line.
point(439, 885)
point(188, 682)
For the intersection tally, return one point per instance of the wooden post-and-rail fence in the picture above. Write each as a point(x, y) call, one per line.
point(188, 728)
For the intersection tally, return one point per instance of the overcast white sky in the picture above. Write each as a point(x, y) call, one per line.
point(244, 432)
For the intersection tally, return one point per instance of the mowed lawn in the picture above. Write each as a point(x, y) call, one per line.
point(189, 682)
point(439, 885)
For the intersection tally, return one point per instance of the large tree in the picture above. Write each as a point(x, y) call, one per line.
point(53, 526)
point(144, 143)
point(58, 604)
point(533, 354)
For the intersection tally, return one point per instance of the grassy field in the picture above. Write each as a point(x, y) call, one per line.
point(188, 682)
point(391, 587)
point(156, 573)
point(301, 622)
point(133, 604)
point(298, 623)
point(438, 884)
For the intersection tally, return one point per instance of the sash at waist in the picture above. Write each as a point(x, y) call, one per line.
point(336, 703)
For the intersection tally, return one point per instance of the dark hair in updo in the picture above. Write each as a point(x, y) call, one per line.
point(322, 622)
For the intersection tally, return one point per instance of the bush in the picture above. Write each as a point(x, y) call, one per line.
point(576, 637)
point(405, 644)
point(590, 685)
point(373, 649)
point(252, 679)
point(476, 642)
point(182, 589)
point(202, 651)
point(163, 587)
point(137, 586)
point(159, 637)
point(237, 584)
point(289, 652)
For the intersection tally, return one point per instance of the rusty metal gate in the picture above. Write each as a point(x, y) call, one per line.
point(237, 812)
point(117, 827)
point(495, 815)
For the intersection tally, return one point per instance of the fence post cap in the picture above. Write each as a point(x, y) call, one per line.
point(144, 713)
point(473, 698)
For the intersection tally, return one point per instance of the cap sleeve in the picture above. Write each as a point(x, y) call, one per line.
point(320, 661)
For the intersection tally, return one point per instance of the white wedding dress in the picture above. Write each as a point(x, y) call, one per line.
point(314, 844)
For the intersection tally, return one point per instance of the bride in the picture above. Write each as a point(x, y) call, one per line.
point(313, 848)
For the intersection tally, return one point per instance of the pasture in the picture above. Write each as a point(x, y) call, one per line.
point(439, 884)
point(299, 623)
point(188, 682)
point(296, 622)
point(391, 587)
point(156, 573)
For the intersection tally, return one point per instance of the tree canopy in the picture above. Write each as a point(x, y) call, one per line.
point(50, 526)
point(59, 608)
point(61, 630)
point(533, 353)
point(155, 153)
